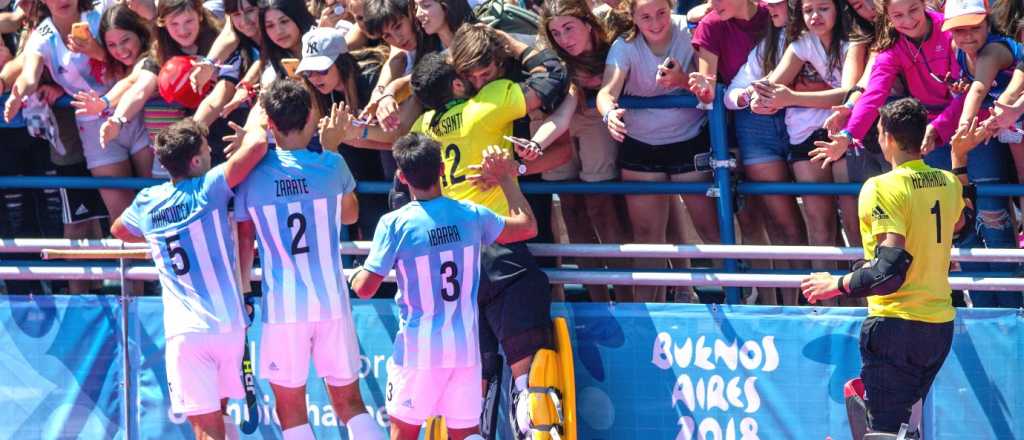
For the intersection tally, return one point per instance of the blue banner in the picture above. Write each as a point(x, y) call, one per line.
point(670, 371)
point(60, 367)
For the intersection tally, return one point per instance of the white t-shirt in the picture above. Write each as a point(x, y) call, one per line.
point(71, 70)
point(802, 121)
point(656, 126)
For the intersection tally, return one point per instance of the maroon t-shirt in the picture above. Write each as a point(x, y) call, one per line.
point(731, 40)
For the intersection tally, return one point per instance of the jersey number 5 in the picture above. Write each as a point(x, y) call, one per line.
point(450, 286)
point(177, 251)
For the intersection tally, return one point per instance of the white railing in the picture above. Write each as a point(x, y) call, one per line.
point(713, 251)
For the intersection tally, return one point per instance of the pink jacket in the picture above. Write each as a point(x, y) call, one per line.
point(919, 68)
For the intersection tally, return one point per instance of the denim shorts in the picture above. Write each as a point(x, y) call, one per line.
point(761, 138)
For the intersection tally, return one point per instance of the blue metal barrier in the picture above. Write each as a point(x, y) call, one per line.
point(722, 187)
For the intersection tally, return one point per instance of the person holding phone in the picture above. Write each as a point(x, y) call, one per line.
point(652, 59)
point(65, 43)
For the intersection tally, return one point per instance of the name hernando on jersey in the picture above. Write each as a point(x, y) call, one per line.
point(927, 179)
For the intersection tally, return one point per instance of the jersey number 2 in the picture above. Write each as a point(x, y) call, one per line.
point(450, 287)
point(937, 210)
point(297, 217)
point(452, 151)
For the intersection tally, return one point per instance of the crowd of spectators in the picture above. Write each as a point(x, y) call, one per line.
point(88, 84)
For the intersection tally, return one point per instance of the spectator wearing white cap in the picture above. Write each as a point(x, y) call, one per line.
point(340, 82)
point(988, 62)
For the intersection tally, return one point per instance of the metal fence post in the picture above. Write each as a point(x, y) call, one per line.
point(723, 180)
point(127, 382)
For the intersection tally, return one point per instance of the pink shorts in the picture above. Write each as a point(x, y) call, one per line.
point(285, 350)
point(413, 395)
point(202, 369)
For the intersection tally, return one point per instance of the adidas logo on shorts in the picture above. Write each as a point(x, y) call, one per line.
point(407, 403)
point(273, 367)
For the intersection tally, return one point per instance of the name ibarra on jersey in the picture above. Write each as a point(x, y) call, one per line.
point(291, 187)
point(927, 179)
point(444, 235)
point(169, 215)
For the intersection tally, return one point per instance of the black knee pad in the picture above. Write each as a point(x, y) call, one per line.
point(525, 344)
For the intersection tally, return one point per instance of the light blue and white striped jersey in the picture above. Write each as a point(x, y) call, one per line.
point(434, 247)
point(293, 198)
point(192, 241)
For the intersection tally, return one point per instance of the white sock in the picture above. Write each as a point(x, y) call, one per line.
point(364, 427)
point(230, 428)
point(522, 382)
point(301, 432)
point(475, 437)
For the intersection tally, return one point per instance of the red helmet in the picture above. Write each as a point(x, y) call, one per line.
point(174, 85)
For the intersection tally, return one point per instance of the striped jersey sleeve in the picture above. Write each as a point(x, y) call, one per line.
point(192, 240)
point(293, 199)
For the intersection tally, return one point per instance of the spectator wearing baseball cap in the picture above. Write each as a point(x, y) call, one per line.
point(987, 62)
point(341, 82)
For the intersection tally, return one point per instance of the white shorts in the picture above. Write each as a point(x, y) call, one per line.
point(413, 395)
point(202, 369)
point(132, 139)
point(285, 350)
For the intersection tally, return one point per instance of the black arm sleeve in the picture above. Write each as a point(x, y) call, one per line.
point(883, 275)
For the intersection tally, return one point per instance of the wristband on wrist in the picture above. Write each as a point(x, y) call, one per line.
point(960, 171)
point(842, 289)
point(852, 90)
point(106, 103)
point(604, 117)
point(855, 145)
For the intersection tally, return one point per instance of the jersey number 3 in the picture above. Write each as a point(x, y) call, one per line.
point(450, 286)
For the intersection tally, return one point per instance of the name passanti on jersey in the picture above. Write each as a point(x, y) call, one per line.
point(191, 237)
point(466, 129)
point(293, 198)
point(434, 247)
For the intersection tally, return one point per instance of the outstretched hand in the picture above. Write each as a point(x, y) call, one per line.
point(831, 151)
point(820, 286)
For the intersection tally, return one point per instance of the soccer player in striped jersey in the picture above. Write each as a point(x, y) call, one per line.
point(295, 203)
point(434, 244)
point(186, 223)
